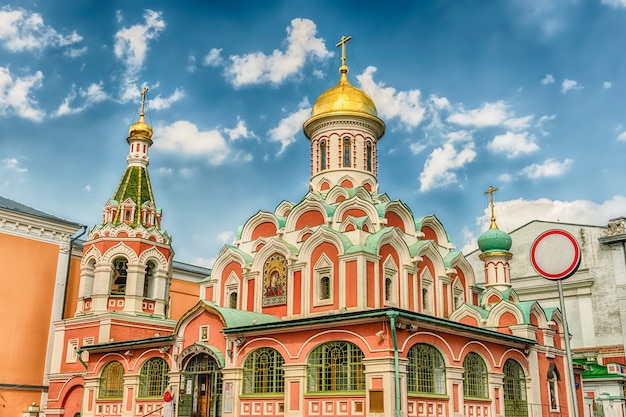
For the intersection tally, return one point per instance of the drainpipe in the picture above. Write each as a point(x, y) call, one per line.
point(396, 361)
point(67, 273)
point(80, 358)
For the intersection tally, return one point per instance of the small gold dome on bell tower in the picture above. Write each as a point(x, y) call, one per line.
point(141, 128)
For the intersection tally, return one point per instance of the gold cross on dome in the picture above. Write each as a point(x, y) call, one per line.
point(342, 42)
point(490, 191)
point(143, 99)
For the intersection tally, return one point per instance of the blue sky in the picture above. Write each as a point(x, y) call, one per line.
point(525, 95)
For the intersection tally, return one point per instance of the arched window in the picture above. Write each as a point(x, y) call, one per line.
point(323, 155)
point(233, 300)
point(553, 387)
point(514, 390)
point(336, 366)
point(153, 379)
point(475, 376)
point(118, 276)
point(263, 372)
point(426, 370)
point(148, 280)
point(325, 288)
point(368, 156)
point(424, 299)
point(111, 381)
point(388, 289)
point(346, 151)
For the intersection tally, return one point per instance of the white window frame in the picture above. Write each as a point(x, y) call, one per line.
point(323, 268)
point(428, 287)
point(71, 355)
point(203, 333)
point(390, 270)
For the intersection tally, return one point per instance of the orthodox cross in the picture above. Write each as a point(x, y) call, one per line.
point(490, 191)
point(343, 41)
point(143, 99)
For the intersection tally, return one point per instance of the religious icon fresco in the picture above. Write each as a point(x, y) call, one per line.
point(275, 280)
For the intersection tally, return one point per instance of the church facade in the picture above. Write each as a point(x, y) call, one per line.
point(341, 304)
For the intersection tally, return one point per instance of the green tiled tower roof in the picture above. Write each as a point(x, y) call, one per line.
point(134, 185)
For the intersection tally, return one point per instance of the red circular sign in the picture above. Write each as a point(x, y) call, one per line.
point(555, 254)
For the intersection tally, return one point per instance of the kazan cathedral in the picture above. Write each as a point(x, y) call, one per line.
point(341, 304)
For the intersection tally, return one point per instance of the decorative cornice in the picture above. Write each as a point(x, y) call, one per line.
point(20, 225)
point(376, 130)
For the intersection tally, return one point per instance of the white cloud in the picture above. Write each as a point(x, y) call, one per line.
point(513, 144)
point(75, 52)
point(214, 58)
point(15, 95)
point(548, 79)
point(622, 136)
point(607, 85)
point(490, 114)
point(568, 85)
point(288, 128)
point(549, 168)
point(191, 63)
point(513, 214)
point(459, 136)
point(226, 237)
point(391, 104)
point(440, 102)
point(257, 68)
point(12, 164)
point(417, 148)
point(615, 3)
point(89, 96)
point(131, 47)
point(505, 177)
point(207, 263)
point(160, 103)
point(87, 187)
point(184, 137)
point(440, 166)
point(240, 131)
point(22, 30)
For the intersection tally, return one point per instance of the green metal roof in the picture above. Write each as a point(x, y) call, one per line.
point(11, 205)
point(216, 352)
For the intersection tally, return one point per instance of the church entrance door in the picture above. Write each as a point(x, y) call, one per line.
point(201, 388)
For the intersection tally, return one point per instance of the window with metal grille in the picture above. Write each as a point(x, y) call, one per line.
point(368, 156)
point(426, 370)
point(325, 288)
point(388, 288)
point(475, 378)
point(111, 381)
point(148, 280)
point(263, 372)
point(514, 390)
point(336, 366)
point(153, 378)
point(233, 300)
point(118, 276)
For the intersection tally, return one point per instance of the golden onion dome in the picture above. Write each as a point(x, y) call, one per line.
point(141, 128)
point(343, 98)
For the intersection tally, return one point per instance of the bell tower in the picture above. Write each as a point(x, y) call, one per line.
point(126, 265)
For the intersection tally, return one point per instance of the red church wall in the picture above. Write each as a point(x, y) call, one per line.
point(265, 229)
point(310, 218)
point(370, 283)
point(393, 220)
point(331, 252)
point(461, 276)
point(250, 301)
point(351, 284)
point(429, 234)
point(354, 213)
point(411, 287)
point(469, 320)
point(232, 267)
point(297, 290)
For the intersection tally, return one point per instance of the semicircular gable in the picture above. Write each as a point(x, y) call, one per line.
point(337, 194)
point(262, 224)
point(467, 315)
point(502, 308)
point(323, 184)
point(321, 235)
point(355, 207)
point(226, 257)
point(431, 252)
point(399, 215)
point(308, 213)
point(434, 230)
point(120, 250)
point(464, 270)
point(352, 223)
point(273, 246)
point(92, 254)
point(283, 208)
point(153, 253)
point(394, 238)
point(540, 316)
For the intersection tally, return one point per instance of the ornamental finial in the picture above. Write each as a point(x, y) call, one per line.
point(490, 191)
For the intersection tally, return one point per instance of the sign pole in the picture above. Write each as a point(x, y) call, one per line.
point(568, 352)
point(556, 255)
